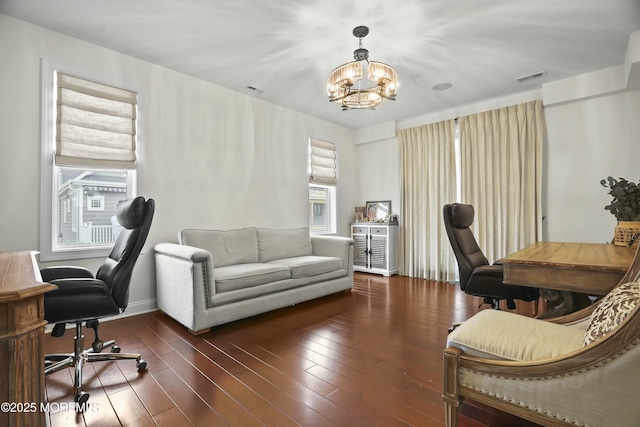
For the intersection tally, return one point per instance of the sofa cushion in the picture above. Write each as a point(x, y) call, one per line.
point(276, 243)
point(612, 310)
point(306, 266)
point(228, 247)
point(233, 277)
point(495, 334)
point(308, 287)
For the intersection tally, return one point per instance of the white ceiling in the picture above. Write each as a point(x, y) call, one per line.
point(286, 48)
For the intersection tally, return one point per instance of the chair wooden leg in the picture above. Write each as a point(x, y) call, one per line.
point(450, 415)
point(450, 394)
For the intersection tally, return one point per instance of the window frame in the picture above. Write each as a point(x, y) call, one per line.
point(49, 205)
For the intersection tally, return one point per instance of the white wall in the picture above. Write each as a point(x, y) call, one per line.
point(587, 141)
point(210, 157)
point(379, 172)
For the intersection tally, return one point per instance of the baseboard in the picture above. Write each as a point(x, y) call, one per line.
point(133, 309)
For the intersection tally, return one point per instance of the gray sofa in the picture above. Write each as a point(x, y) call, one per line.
point(213, 277)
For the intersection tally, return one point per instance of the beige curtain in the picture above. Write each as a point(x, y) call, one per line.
point(428, 181)
point(501, 174)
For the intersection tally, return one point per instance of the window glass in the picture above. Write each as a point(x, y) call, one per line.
point(322, 210)
point(86, 201)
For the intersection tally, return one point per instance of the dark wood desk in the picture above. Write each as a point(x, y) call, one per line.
point(589, 268)
point(21, 339)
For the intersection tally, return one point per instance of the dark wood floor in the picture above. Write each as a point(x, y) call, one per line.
point(369, 357)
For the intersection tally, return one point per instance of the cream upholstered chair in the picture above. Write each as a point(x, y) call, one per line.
point(582, 369)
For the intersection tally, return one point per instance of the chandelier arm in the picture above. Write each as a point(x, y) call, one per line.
point(340, 98)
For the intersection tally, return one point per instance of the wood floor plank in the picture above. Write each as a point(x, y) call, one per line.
point(99, 411)
point(131, 411)
point(226, 407)
point(300, 385)
point(370, 390)
point(280, 396)
point(289, 370)
point(152, 396)
point(372, 413)
point(224, 380)
point(110, 376)
point(171, 418)
point(153, 341)
point(365, 358)
point(59, 416)
point(191, 405)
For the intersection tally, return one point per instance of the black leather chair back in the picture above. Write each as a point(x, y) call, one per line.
point(457, 221)
point(134, 215)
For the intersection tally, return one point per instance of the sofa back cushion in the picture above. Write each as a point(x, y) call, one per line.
point(276, 243)
point(228, 247)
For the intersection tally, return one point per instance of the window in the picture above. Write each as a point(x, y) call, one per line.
point(89, 161)
point(95, 203)
point(323, 179)
point(322, 210)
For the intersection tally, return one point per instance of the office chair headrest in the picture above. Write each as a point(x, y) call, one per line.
point(130, 212)
point(461, 215)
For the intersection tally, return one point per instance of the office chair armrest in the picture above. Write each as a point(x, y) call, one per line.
point(488, 271)
point(64, 272)
point(80, 286)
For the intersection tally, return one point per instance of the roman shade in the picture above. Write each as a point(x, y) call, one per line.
point(96, 124)
point(322, 162)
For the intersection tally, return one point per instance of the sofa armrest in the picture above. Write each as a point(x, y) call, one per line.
point(336, 246)
point(187, 253)
point(184, 282)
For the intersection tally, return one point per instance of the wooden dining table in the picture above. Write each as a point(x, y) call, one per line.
point(588, 268)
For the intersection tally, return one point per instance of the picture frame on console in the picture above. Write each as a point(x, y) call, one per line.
point(378, 211)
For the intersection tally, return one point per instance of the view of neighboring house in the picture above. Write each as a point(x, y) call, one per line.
point(87, 201)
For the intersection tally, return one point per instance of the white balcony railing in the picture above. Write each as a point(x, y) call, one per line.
point(90, 233)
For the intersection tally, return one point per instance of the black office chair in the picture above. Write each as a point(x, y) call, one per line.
point(81, 298)
point(477, 277)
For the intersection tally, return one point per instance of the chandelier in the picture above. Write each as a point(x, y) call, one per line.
point(345, 83)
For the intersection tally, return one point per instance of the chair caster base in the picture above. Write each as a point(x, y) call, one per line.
point(141, 365)
point(81, 399)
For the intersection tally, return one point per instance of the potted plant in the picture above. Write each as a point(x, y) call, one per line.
point(625, 206)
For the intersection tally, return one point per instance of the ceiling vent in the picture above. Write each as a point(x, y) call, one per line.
point(531, 76)
point(255, 90)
